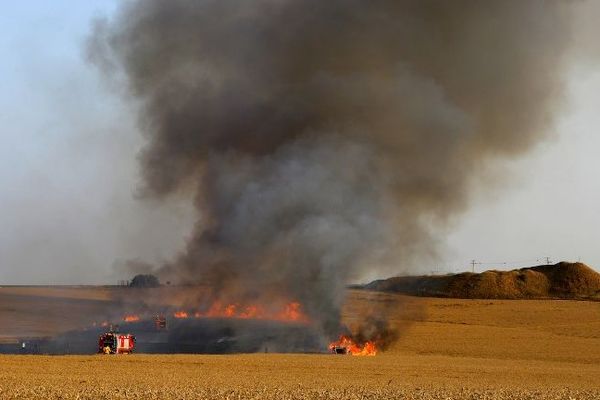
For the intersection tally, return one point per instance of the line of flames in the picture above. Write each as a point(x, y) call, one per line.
point(291, 312)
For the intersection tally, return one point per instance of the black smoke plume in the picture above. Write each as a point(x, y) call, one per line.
point(323, 139)
point(376, 329)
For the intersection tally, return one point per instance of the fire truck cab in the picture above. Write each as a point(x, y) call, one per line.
point(116, 343)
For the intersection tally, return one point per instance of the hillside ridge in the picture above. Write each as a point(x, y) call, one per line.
point(561, 280)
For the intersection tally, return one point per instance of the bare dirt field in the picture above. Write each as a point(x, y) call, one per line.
point(448, 349)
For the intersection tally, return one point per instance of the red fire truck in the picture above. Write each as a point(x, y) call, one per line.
point(116, 343)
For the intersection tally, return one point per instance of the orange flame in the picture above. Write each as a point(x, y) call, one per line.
point(293, 312)
point(131, 318)
point(251, 312)
point(180, 314)
point(367, 349)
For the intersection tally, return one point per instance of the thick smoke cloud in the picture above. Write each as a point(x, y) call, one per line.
point(323, 138)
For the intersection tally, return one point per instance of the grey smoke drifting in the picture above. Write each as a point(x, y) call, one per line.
point(323, 138)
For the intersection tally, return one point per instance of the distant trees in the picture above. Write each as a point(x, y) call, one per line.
point(144, 281)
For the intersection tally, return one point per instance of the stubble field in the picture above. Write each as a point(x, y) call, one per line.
point(448, 349)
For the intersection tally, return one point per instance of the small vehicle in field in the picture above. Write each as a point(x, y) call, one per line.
point(160, 322)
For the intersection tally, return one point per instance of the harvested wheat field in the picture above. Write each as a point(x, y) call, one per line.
point(401, 375)
point(448, 349)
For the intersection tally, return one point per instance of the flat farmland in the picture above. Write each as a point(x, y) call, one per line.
point(448, 349)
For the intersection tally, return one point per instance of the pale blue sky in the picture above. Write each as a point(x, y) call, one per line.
point(67, 155)
point(68, 168)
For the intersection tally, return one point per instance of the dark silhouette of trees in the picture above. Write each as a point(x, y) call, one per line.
point(144, 281)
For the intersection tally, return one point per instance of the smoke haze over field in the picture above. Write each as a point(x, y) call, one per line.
point(323, 139)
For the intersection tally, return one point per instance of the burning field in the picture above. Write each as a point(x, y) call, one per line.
point(447, 348)
point(160, 327)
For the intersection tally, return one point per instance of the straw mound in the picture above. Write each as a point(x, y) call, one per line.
point(562, 280)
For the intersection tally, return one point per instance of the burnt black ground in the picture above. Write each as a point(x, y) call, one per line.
point(192, 335)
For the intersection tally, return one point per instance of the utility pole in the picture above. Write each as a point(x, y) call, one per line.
point(473, 262)
point(548, 261)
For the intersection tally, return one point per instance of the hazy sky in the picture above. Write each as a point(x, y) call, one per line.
point(68, 173)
